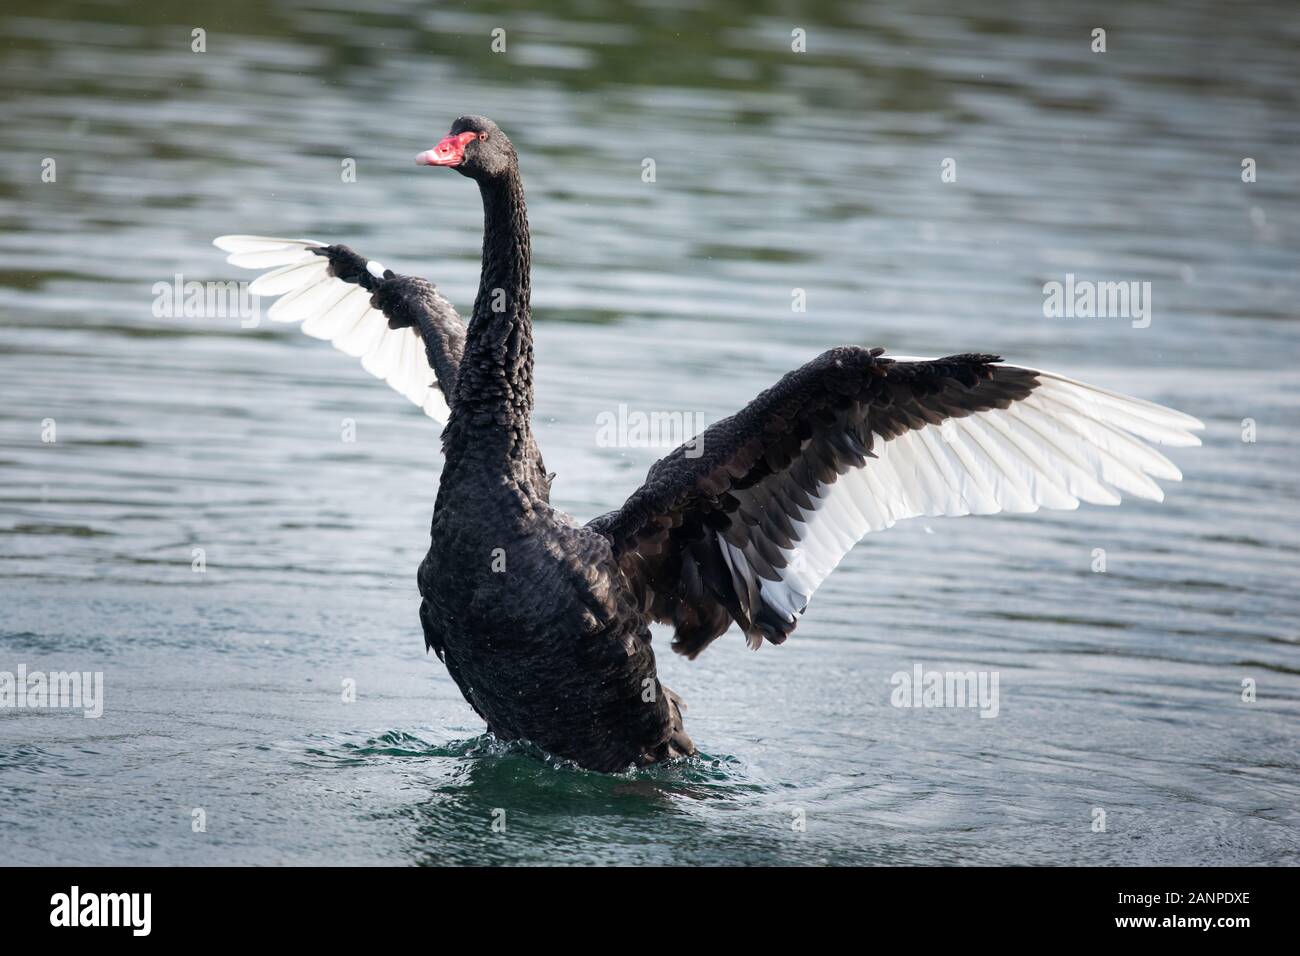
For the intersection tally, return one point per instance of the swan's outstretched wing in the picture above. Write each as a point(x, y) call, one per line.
point(399, 326)
point(745, 522)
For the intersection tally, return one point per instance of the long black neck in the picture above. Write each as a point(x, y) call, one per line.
point(493, 400)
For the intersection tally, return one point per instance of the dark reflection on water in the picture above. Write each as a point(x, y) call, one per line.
point(775, 171)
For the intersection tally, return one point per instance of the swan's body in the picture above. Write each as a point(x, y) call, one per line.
point(543, 623)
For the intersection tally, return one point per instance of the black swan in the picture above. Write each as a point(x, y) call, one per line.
point(544, 623)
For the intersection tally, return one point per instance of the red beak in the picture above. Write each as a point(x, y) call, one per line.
point(450, 151)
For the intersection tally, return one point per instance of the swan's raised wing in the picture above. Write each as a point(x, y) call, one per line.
point(745, 522)
point(399, 326)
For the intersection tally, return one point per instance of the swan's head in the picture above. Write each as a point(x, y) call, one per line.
point(475, 147)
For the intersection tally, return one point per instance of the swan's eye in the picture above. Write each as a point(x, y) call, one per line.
point(482, 135)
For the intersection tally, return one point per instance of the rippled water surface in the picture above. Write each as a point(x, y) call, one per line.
point(1119, 691)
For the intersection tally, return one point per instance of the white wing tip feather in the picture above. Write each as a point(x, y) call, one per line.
point(1178, 426)
point(243, 243)
point(337, 312)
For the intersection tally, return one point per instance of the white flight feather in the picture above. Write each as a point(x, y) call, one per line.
point(338, 312)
